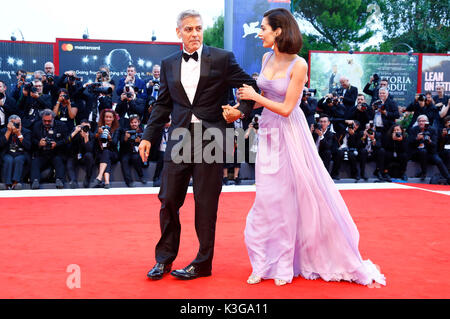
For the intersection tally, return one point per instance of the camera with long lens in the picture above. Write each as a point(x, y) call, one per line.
point(50, 77)
point(85, 128)
point(30, 87)
point(156, 85)
point(316, 126)
point(351, 126)
point(370, 130)
point(73, 78)
point(48, 143)
point(16, 125)
point(364, 106)
point(65, 97)
point(104, 136)
point(398, 134)
point(103, 74)
point(128, 91)
point(98, 88)
point(376, 79)
point(378, 104)
point(134, 134)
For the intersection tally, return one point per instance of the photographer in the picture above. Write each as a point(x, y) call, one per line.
point(442, 104)
point(129, 153)
point(15, 142)
point(98, 96)
point(420, 107)
point(72, 84)
point(348, 150)
point(21, 76)
point(133, 80)
point(64, 110)
point(49, 81)
point(332, 106)
point(444, 143)
point(422, 142)
point(49, 138)
point(154, 83)
point(251, 136)
point(371, 149)
point(385, 111)
point(325, 140)
point(377, 85)
point(362, 112)
point(396, 152)
point(7, 105)
point(347, 93)
point(107, 139)
point(129, 104)
point(32, 102)
point(81, 153)
point(308, 106)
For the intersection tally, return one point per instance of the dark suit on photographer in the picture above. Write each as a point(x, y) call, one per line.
point(326, 145)
point(15, 154)
point(129, 155)
point(444, 146)
point(363, 115)
point(45, 155)
point(425, 150)
point(348, 150)
point(30, 107)
point(336, 112)
point(383, 121)
point(7, 109)
point(372, 150)
point(308, 106)
point(428, 110)
point(81, 153)
point(127, 107)
point(396, 152)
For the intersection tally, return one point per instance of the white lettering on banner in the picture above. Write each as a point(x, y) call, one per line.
point(84, 47)
point(434, 76)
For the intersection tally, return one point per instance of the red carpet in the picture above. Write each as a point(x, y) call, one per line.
point(112, 238)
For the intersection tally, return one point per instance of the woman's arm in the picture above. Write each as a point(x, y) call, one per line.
point(295, 89)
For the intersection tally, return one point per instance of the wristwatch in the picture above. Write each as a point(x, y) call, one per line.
point(20, 136)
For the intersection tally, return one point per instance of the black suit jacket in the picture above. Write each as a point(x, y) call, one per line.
point(218, 72)
point(350, 97)
point(9, 108)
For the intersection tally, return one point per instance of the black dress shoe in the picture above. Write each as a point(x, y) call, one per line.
point(158, 271)
point(190, 272)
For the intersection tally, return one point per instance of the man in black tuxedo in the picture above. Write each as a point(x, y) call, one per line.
point(347, 93)
point(193, 91)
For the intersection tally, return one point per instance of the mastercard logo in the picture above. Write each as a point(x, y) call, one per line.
point(67, 47)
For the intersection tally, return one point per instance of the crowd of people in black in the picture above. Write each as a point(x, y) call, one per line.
point(51, 125)
point(347, 128)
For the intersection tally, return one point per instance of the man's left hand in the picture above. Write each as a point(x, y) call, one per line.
point(231, 113)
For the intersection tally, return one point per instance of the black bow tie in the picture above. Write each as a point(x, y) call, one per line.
point(187, 56)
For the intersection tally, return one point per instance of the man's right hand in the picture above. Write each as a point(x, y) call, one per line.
point(144, 150)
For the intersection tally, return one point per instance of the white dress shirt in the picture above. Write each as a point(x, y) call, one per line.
point(190, 75)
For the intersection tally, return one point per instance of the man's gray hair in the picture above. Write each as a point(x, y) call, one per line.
point(187, 14)
point(48, 112)
point(14, 117)
point(383, 89)
point(423, 116)
point(40, 72)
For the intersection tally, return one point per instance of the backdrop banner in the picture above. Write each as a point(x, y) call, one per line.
point(86, 56)
point(27, 56)
point(435, 71)
point(326, 68)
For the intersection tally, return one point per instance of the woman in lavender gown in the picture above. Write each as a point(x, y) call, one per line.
point(299, 224)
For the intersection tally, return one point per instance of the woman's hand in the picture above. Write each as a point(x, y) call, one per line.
point(247, 92)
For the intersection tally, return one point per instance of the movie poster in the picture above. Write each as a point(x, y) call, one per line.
point(435, 71)
point(326, 68)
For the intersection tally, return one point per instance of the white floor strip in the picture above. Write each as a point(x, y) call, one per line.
point(155, 190)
